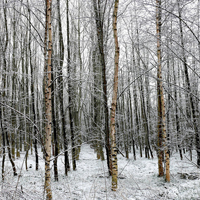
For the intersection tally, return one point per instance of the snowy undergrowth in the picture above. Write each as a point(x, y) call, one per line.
point(137, 180)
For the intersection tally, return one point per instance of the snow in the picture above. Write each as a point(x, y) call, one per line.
point(138, 179)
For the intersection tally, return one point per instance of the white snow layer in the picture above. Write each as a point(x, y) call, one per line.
point(138, 179)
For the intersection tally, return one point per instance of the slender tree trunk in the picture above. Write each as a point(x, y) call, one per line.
point(4, 76)
point(14, 83)
point(5, 136)
point(62, 112)
point(9, 154)
point(1, 109)
point(191, 100)
point(147, 111)
point(55, 126)
point(54, 129)
point(178, 129)
point(135, 97)
point(79, 140)
point(34, 118)
point(48, 107)
point(70, 93)
point(25, 84)
point(33, 97)
point(60, 79)
point(114, 102)
point(168, 124)
point(162, 138)
point(130, 117)
point(3, 143)
point(96, 99)
point(145, 121)
point(100, 37)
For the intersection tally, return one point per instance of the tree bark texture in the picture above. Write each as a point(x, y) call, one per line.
point(162, 138)
point(55, 132)
point(114, 102)
point(100, 37)
point(61, 93)
point(48, 106)
point(3, 143)
point(70, 93)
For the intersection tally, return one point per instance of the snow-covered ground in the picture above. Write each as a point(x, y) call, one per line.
point(137, 180)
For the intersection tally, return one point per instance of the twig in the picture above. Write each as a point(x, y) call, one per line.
point(123, 168)
point(34, 125)
point(192, 162)
point(120, 152)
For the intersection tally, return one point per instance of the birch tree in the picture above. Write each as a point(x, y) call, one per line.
point(162, 138)
point(48, 105)
point(114, 102)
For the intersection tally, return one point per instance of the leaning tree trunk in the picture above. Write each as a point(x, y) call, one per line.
point(114, 103)
point(162, 138)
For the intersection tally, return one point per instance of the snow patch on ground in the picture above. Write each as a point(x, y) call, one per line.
point(138, 180)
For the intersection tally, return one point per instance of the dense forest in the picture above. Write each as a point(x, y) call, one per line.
point(119, 75)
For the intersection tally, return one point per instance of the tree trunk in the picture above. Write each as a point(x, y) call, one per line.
point(100, 37)
point(191, 100)
point(48, 107)
point(55, 149)
point(70, 93)
point(3, 117)
point(14, 83)
point(114, 102)
point(9, 153)
point(135, 97)
point(3, 143)
point(33, 97)
point(178, 128)
point(162, 138)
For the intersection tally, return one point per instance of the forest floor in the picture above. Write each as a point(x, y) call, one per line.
point(138, 179)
